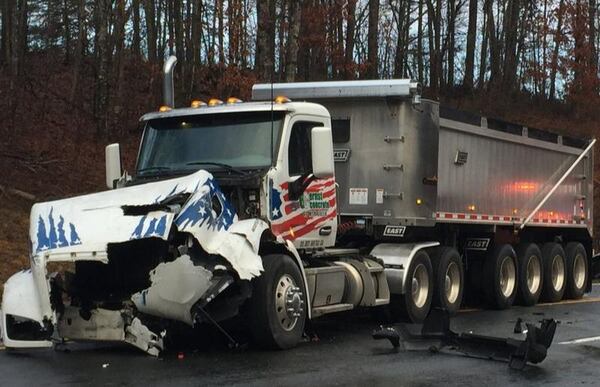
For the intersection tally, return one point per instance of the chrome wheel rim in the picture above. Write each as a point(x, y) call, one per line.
point(558, 272)
point(420, 286)
point(289, 304)
point(579, 272)
point(452, 282)
point(508, 276)
point(534, 274)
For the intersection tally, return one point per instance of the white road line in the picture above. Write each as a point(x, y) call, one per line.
point(582, 340)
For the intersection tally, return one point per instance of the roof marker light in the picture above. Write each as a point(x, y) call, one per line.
point(197, 103)
point(214, 102)
point(233, 100)
point(164, 108)
point(282, 99)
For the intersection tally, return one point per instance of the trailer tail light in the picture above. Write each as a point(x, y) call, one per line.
point(233, 100)
point(215, 102)
point(197, 103)
point(471, 207)
point(419, 201)
point(282, 99)
point(164, 108)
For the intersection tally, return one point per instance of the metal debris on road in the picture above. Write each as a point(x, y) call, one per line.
point(436, 335)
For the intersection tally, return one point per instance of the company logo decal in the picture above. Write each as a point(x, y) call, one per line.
point(341, 155)
point(394, 231)
point(481, 244)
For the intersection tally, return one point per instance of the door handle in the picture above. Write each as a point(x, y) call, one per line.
point(324, 231)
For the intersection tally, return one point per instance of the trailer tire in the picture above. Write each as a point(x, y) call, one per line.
point(500, 275)
point(577, 270)
point(280, 286)
point(531, 274)
point(555, 272)
point(449, 281)
point(414, 305)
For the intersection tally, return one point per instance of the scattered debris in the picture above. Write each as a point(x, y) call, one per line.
point(436, 335)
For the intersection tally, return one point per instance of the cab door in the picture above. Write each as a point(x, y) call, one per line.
point(302, 207)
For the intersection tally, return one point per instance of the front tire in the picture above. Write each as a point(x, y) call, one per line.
point(531, 274)
point(277, 308)
point(415, 303)
point(449, 280)
point(577, 270)
point(555, 273)
point(500, 277)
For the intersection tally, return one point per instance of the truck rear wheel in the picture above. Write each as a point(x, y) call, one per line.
point(577, 269)
point(277, 308)
point(531, 275)
point(415, 303)
point(500, 277)
point(449, 280)
point(555, 272)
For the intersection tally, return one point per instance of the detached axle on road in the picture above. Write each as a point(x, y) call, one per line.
point(436, 335)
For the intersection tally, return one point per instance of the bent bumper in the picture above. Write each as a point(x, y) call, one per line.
point(21, 317)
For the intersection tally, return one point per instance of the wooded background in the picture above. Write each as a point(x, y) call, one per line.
point(76, 75)
point(544, 50)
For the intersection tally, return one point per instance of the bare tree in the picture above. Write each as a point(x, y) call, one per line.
point(372, 40)
point(471, 40)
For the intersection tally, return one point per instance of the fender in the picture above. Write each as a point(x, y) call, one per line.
point(397, 258)
point(21, 299)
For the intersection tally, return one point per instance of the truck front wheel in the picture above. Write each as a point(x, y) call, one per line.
point(277, 308)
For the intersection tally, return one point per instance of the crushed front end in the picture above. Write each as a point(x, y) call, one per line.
point(134, 263)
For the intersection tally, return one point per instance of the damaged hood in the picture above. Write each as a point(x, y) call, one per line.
point(89, 223)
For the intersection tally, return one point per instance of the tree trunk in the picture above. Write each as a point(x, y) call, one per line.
point(484, 53)
point(557, 40)
point(349, 50)
point(220, 31)
point(80, 50)
point(135, 41)
point(400, 42)
point(66, 30)
point(471, 40)
point(593, 12)
point(196, 31)
point(265, 39)
point(451, 47)
point(511, 35)
point(493, 43)
point(291, 66)
point(420, 67)
point(102, 12)
point(373, 40)
point(151, 36)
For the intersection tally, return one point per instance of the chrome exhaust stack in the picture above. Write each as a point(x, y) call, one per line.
point(168, 84)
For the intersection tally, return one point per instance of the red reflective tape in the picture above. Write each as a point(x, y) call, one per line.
point(473, 217)
point(485, 217)
point(506, 218)
point(448, 216)
point(461, 216)
point(495, 217)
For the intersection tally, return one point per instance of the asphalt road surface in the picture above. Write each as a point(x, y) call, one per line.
point(345, 354)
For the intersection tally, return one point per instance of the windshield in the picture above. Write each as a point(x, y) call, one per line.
point(226, 141)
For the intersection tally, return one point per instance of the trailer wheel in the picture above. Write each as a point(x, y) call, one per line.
point(577, 269)
point(415, 303)
point(448, 275)
point(555, 273)
point(500, 277)
point(277, 308)
point(531, 274)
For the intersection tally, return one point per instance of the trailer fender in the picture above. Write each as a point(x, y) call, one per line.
point(397, 258)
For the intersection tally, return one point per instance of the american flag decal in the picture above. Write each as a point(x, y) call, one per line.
point(295, 219)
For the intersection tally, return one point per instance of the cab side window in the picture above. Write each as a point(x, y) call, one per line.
point(299, 148)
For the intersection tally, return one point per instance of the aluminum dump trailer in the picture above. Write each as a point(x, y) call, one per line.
point(417, 164)
point(503, 197)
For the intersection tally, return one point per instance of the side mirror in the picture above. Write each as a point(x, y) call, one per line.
point(322, 152)
point(113, 164)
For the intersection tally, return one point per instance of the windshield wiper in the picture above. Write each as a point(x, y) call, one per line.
point(226, 166)
point(154, 168)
